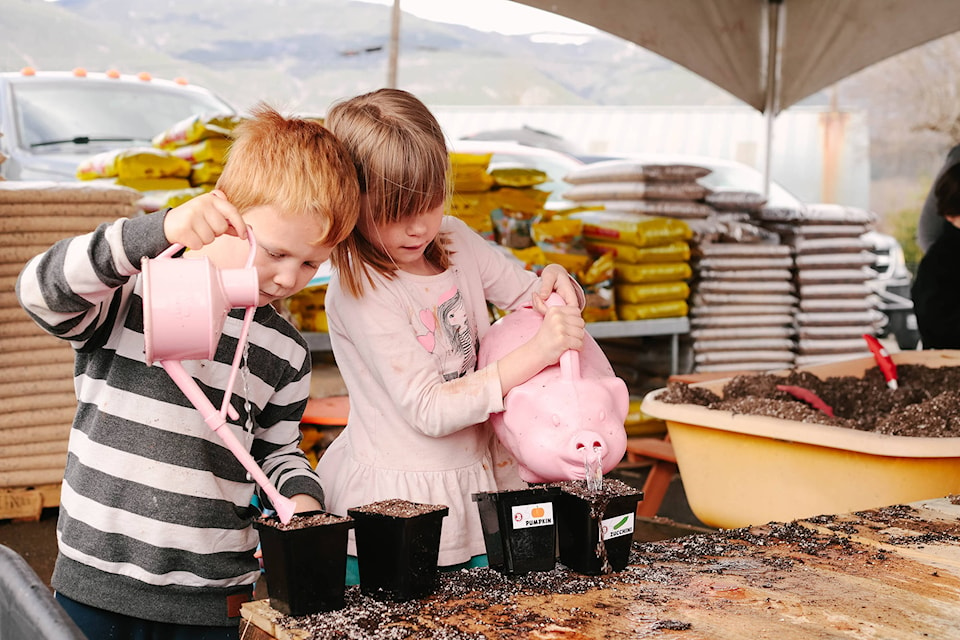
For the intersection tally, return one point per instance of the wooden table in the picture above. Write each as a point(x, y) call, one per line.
point(891, 573)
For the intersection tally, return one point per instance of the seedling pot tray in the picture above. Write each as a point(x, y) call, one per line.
point(305, 565)
point(396, 553)
point(519, 529)
point(591, 525)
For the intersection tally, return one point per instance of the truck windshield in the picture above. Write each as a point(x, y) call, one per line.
point(79, 112)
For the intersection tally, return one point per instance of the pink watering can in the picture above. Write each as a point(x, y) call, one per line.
point(566, 420)
point(185, 303)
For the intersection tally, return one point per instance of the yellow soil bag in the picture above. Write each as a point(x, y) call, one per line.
point(133, 163)
point(674, 309)
point(673, 252)
point(654, 272)
point(210, 150)
point(633, 228)
point(194, 129)
point(656, 292)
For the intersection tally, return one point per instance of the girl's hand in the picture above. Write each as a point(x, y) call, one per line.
point(196, 223)
point(555, 278)
point(563, 329)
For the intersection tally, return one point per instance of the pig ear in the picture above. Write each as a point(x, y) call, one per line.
point(519, 401)
point(619, 395)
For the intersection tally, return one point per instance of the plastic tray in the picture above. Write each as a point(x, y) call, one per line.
point(739, 470)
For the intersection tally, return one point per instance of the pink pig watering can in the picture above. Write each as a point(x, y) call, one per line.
point(185, 303)
point(566, 420)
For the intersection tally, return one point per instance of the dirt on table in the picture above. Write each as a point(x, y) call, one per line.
point(926, 402)
point(886, 573)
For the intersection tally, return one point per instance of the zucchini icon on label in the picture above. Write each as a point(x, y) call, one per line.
point(620, 525)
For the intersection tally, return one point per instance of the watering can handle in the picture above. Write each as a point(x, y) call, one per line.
point(247, 319)
point(172, 250)
point(570, 359)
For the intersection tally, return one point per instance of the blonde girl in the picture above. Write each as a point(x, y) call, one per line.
point(417, 426)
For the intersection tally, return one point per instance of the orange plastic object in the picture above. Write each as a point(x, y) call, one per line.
point(660, 452)
point(330, 411)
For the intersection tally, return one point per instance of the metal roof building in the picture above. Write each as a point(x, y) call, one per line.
point(818, 154)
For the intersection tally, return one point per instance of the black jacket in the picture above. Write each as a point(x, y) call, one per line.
point(936, 292)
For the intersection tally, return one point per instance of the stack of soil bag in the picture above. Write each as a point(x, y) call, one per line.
point(36, 369)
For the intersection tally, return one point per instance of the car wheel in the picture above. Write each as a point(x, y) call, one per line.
point(904, 328)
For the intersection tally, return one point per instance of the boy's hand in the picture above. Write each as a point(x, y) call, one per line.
point(305, 502)
point(555, 278)
point(196, 223)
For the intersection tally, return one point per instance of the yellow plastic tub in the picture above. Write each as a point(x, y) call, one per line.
point(739, 470)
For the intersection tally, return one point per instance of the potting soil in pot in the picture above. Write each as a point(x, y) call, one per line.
point(398, 544)
point(305, 561)
point(926, 402)
point(595, 528)
point(519, 529)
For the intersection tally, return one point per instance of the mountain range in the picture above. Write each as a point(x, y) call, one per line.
point(301, 55)
point(307, 53)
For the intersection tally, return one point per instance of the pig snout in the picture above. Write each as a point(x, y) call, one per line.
point(582, 447)
point(589, 439)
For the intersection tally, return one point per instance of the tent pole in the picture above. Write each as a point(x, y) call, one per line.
point(774, 46)
point(394, 45)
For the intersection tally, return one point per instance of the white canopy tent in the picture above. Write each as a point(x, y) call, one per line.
point(768, 53)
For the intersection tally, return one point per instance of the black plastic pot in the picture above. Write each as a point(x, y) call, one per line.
point(519, 529)
point(398, 544)
point(305, 561)
point(582, 516)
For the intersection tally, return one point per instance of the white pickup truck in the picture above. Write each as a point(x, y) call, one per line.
point(50, 121)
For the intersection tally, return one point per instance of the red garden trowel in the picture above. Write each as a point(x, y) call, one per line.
point(185, 303)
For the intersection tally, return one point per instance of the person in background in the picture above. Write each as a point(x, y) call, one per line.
point(936, 288)
point(407, 307)
point(931, 224)
point(155, 526)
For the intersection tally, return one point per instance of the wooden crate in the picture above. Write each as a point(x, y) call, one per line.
point(26, 503)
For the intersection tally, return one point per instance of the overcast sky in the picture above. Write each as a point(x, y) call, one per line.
point(502, 16)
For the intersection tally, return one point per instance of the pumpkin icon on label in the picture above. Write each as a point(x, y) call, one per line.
point(537, 512)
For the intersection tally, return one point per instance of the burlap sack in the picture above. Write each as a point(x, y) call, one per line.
point(47, 212)
point(20, 388)
point(745, 344)
point(36, 418)
point(35, 462)
point(737, 333)
point(733, 286)
point(11, 268)
point(22, 328)
point(43, 447)
point(744, 366)
point(32, 477)
point(34, 371)
point(18, 192)
point(31, 343)
point(20, 254)
point(32, 434)
point(55, 355)
point(36, 401)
